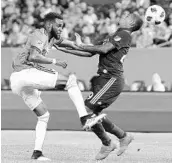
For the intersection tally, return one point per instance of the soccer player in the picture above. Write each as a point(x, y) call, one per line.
point(29, 76)
point(110, 81)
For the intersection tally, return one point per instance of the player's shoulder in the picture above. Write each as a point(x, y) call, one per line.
point(40, 34)
point(121, 36)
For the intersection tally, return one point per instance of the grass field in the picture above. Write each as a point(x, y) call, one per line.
point(81, 147)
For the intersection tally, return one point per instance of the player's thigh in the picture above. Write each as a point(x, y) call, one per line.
point(34, 78)
point(104, 94)
point(60, 78)
point(41, 79)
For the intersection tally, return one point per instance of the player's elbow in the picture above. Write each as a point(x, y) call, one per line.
point(32, 57)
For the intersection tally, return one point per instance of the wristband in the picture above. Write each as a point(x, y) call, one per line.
point(54, 61)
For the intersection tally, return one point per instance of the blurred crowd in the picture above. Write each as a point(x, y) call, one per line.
point(157, 85)
point(92, 22)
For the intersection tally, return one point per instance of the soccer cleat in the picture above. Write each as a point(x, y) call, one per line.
point(92, 120)
point(124, 143)
point(37, 155)
point(105, 151)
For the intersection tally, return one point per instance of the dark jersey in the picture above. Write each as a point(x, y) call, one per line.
point(112, 62)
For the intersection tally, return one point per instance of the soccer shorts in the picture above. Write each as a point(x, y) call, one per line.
point(105, 90)
point(27, 83)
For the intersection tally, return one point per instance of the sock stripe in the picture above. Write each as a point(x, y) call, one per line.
point(103, 90)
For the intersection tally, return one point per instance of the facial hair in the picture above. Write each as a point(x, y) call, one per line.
point(55, 34)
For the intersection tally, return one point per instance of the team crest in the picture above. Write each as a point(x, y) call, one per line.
point(90, 96)
point(117, 38)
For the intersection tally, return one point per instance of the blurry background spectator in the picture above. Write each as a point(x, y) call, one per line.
point(157, 85)
point(20, 17)
point(138, 86)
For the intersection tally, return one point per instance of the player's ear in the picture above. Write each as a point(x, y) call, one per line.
point(49, 25)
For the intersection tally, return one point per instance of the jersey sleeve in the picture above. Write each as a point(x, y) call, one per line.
point(37, 41)
point(121, 39)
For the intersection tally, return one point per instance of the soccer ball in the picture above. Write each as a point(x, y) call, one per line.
point(155, 14)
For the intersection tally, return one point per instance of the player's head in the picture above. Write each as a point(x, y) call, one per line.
point(54, 24)
point(133, 22)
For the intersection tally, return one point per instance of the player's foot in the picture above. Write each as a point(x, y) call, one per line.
point(92, 120)
point(105, 151)
point(124, 143)
point(37, 155)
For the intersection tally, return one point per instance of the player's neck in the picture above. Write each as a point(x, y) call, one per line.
point(48, 33)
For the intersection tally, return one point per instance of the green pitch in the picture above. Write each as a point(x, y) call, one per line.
point(81, 147)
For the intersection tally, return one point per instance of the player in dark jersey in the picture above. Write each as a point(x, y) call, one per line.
point(109, 83)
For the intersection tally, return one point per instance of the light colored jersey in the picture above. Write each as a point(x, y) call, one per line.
point(38, 40)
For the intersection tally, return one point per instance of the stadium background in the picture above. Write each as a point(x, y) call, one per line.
point(144, 111)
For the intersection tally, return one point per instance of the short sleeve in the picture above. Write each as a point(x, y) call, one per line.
point(38, 40)
point(121, 39)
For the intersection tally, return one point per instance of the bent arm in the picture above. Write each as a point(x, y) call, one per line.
point(76, 52)
point(36, 56)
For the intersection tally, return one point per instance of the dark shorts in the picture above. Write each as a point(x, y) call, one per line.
point(105, 90)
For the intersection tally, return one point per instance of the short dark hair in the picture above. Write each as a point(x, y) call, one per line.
point(52, 16)
point(138, 22)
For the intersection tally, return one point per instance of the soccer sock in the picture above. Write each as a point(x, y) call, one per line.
point(100, 132)
point(41, 128)
point(76, 96)
point(113, 129)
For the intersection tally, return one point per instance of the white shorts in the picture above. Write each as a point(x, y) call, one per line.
point(26, 84)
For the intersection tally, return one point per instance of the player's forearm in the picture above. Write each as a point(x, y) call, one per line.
point(66, 43)
point(94, 49)
point(76, 52)
point(40, 59)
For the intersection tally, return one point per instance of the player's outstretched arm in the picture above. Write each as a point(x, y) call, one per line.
point(100, 49)
point(66, 43)
point(75, 52)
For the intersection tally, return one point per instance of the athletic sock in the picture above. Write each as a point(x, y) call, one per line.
point(76, 96)
point(100, 132)
point(113, 129)
point(41, 128)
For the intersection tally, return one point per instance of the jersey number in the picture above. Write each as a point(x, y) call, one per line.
point(122, 59)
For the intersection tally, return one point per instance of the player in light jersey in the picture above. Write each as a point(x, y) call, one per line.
point(109, 83)
point(29, 76)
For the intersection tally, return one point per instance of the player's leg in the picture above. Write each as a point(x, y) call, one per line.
point(109, 97)
point(22, 86)
point(32, 99)
point(96, 103)
point(76, 96)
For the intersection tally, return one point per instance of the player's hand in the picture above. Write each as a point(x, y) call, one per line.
point(78, 39)
point(61, 63)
